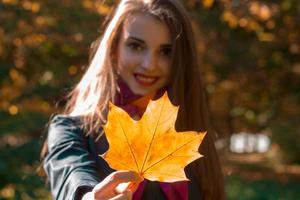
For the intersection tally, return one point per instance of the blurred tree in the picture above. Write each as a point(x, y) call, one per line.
point(44, 48)
point(250, 55)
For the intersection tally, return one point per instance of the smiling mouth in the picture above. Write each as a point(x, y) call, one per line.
point(145, 80)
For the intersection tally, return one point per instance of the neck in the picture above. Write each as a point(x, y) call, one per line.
point(126, 97)
point(142, 102)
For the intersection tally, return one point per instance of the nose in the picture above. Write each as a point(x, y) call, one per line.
point(149, 61)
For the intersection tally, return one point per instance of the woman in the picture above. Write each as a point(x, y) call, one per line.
point(147, 48)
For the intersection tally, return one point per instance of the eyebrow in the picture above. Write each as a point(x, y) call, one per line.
point(143, 42)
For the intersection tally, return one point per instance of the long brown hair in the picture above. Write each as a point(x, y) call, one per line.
point(91, 96)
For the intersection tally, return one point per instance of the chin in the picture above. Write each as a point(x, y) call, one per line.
point(142, 93)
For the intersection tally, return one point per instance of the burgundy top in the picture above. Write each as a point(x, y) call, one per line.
point(172, 191)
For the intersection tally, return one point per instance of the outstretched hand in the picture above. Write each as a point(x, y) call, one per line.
point(109, 189)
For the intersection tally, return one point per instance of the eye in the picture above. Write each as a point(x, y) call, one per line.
point(167, 51)
point(134, 46)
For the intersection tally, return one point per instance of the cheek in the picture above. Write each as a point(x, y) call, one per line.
point(127, 61)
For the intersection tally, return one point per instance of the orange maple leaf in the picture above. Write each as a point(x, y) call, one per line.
point(150, 146)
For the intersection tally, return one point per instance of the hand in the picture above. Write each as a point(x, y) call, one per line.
point(107, 189)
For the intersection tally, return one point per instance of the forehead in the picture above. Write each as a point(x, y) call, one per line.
point(146, 27)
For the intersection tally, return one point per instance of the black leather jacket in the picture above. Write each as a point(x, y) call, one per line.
point(73, 164)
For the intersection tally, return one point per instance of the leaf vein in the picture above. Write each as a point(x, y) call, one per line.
point(151, 142)
point(170, 154)
point(137, 166)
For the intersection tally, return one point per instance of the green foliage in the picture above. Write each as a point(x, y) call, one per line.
point(18, 172)
point(289, 143)
point(250, 55)
point(25, 122)
point(43, 49)
point(240, 188)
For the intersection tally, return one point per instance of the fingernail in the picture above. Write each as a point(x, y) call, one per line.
point(131, 185)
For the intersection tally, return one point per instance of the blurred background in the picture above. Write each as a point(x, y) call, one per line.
point(250, 56)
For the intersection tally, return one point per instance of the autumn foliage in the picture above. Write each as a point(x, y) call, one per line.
point(150, 146)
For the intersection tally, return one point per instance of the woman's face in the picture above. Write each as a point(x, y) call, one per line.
point(144, 54)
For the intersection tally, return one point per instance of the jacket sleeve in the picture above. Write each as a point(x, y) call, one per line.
point(69, 165)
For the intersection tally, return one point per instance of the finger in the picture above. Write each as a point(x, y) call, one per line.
point(133, 186)
point(106, 188)
point(127, 195)
point(122, 187)
point(118, 177)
